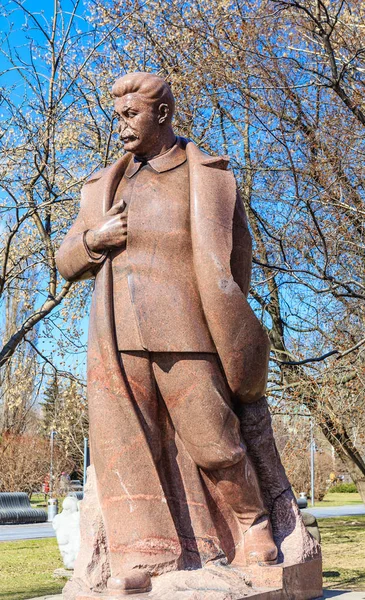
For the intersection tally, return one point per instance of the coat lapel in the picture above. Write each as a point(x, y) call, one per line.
point(111, 180)
point(104, 282)
point(98, 192)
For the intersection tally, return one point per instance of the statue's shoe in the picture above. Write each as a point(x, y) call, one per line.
point(258, 546)
point(134, 581)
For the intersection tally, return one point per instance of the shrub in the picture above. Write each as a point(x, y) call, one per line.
point(25, 462)
point(343, 488)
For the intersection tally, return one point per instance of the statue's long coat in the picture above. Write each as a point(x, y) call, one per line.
point(168, 512)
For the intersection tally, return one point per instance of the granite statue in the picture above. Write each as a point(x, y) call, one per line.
point(183, 457)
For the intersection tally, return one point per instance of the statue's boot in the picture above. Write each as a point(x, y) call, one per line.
point(258, 545)
point(240, 488)
point(135, 581)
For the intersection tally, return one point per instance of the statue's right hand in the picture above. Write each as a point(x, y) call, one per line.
point(110, 232)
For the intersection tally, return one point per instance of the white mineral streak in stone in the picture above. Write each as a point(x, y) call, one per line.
point(67, 528)
point(125, 490)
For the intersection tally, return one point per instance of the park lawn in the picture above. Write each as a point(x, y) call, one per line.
point(26, 569)
point(338, 499)
point(38, 501)
point(343, 549)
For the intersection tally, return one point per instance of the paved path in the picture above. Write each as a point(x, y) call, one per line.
point(337, 511)
point(344, 595)
point(34, 531)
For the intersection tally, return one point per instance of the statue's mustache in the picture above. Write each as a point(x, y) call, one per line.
point(129, 133)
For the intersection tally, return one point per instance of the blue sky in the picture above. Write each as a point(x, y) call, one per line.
point(16, 30)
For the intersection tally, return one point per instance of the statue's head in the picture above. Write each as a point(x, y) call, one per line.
point(145, 107)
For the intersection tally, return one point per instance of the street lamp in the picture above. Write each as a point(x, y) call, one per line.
point(86, 461)
point(53, 433)
point(52, 504)
point(312, 449)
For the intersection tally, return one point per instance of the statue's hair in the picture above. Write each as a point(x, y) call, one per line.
point(152, 87)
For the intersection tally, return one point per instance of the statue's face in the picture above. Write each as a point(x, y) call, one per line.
point(139, 124)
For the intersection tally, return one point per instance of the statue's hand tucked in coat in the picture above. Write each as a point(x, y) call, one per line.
point(111, 231)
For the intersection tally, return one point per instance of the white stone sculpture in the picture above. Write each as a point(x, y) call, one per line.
point(67, 528)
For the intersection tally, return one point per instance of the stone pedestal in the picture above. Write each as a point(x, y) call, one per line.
point(298, 576)
point(217, 582)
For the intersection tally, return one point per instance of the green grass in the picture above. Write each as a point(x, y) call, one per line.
point(343, 548)
point(26, 569)
point(338, 499)
point(38, 501)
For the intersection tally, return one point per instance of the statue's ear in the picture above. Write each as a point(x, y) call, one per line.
point(163, 112)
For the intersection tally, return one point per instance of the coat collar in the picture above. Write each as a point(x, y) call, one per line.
point(194, 154)
point(174, 157)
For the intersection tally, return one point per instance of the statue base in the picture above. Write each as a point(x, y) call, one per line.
point(217, 582)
